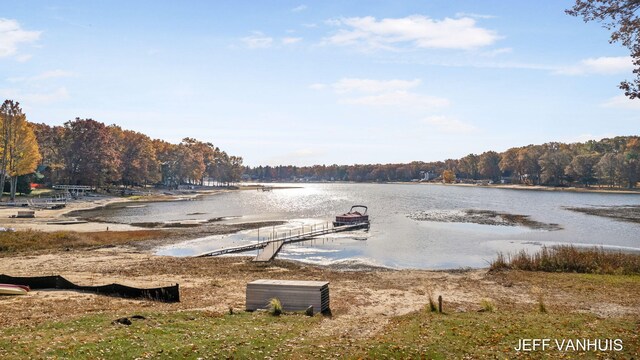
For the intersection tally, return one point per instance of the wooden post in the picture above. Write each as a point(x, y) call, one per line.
point(440, 303)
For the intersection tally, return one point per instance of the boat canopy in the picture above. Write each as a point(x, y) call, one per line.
point(359, 206)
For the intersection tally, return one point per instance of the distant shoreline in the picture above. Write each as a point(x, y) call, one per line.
point(492, 186)
point(542, 188)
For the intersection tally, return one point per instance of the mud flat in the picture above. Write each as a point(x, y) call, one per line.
point(630, 213)
point(483, 217)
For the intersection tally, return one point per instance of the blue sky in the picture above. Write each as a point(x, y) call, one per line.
point(281, 82)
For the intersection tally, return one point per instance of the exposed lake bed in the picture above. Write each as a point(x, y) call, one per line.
point(630, 213)
point(430, 227)
point(483, 217)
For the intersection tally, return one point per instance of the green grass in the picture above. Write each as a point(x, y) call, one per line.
point(491, 335)
point(187, 335)
point(197, 334)
point(570, 259)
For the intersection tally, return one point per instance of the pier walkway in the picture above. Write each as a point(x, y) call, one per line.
point(272, 247)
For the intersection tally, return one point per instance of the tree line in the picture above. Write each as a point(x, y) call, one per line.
point(88, 152)
point(611, 162)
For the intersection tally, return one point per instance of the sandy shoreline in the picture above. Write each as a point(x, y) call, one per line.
point(43, 217)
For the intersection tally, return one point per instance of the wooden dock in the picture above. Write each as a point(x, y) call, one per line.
point(272, 247)
point(270, 251)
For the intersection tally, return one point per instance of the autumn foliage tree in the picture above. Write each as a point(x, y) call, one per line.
point(50, 143)
point(19, 148)
point(90, 153)
point(138, 162)
point(489, 165)
point(448, 176)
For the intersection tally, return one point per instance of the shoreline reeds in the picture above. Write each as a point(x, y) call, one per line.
point(571, 259)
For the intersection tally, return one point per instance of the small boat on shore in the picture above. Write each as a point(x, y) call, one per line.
point(356, 215)
point(10, 289)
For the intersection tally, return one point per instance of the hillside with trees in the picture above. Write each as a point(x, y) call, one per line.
point(88, 152)
point(613, 163)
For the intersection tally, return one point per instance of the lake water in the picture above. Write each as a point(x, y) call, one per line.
point(394, 239)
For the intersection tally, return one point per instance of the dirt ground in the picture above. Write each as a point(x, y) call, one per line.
point(362, 302)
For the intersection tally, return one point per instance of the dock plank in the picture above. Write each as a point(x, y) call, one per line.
point(270, 251)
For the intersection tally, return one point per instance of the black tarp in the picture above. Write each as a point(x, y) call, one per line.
point(166, 294)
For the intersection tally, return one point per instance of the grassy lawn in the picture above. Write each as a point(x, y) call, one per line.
point(496, 334)
point(199, 334)
point(183, 335)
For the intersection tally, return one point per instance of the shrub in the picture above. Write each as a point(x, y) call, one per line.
point(487, 305)
point(275, 307)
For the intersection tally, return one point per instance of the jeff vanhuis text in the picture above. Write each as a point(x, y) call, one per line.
point(569, 345)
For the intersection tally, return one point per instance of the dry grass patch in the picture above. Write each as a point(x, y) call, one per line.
point(567, 258)
point(11, 242)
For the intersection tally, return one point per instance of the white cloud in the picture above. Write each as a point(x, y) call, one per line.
point(605, 65)
point(622, 102)
point(299, 8)
point(257, 40)
point(448, 125)
point(417, 30)
point(56, 95)
point(291, 40)
point(11, 35)
point(373, 86)
point(371, 92)
point(403, 99)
